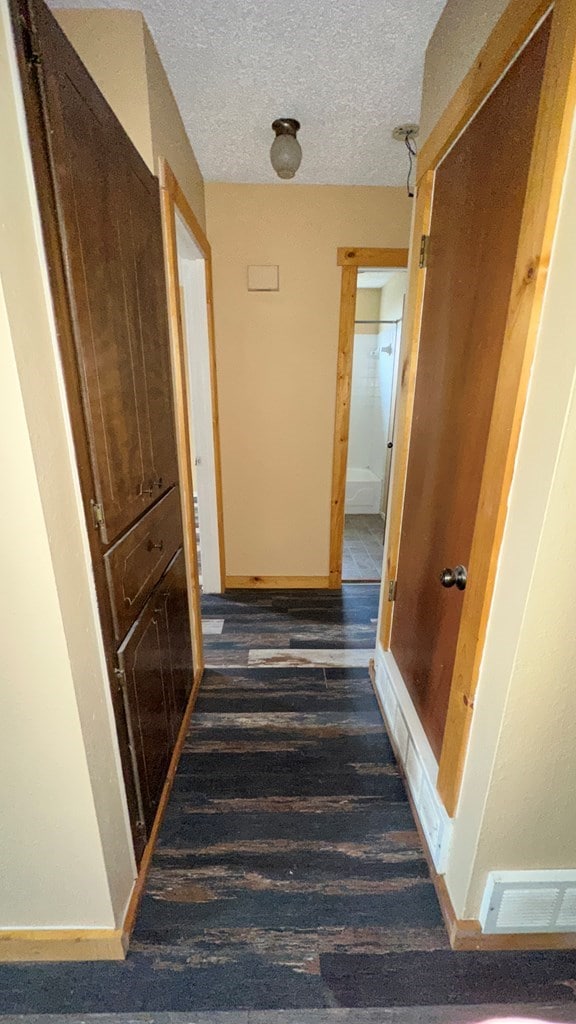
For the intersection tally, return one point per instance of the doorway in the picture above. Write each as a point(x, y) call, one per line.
point(377, 330)
point(371, 312)
point(192, 277)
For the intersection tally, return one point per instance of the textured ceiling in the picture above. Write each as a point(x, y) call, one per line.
point(349, 70)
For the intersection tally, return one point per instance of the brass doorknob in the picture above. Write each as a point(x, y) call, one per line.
point(456, 577)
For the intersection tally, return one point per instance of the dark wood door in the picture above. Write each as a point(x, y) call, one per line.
point(477, 209)
point(108, 210)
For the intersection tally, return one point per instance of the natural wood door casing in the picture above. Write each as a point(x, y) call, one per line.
point(476, 216)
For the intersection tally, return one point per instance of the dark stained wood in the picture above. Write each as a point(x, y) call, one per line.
point(100, 213)
point(173, 598)
point(142, 658)
point(477, 209)
point(135, 563)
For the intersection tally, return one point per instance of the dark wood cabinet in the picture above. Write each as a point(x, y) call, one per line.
point(100, 210)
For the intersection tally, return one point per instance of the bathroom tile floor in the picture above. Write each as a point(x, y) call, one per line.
point(363, 547)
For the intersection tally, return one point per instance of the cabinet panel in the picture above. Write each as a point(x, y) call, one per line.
point(142, 659)
point(109, 218)
point(145, 277)
point(179, 650)
point(136, 562)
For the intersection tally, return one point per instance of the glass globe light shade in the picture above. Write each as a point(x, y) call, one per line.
point(285, 151)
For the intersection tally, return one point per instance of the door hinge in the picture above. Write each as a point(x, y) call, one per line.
point(392, 590)
point(424, 247)
point(97, 513)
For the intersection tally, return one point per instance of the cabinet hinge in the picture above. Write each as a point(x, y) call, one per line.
point(121, 677)
point(392, 590)
point(424, 247)
point(97, 513)
point(31, 56)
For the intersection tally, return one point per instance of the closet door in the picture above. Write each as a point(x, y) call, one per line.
point(108, 211)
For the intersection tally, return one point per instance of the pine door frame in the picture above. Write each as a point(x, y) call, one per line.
point(350, 259)
point(174, 201)
point(548, 163)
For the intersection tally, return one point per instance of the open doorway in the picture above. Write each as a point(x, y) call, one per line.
point(373, 289)
point(194, 317)
point(377, 329)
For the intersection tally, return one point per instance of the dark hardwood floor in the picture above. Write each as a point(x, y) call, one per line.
point(289, 876)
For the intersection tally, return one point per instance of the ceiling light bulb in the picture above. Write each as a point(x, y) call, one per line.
point(285, 151)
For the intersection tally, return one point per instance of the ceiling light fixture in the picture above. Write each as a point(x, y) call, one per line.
point(285, 151)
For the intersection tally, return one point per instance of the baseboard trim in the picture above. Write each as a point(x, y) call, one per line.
point(138, 890)
point(277, 582)
point(415, 755)
point(463, 934)
point(59, 944)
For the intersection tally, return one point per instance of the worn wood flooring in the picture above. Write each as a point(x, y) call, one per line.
point(289, 883)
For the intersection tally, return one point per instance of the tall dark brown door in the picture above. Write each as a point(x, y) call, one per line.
point(101, 216)
point(477, 209)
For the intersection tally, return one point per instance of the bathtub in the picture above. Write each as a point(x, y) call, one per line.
point(363, 492)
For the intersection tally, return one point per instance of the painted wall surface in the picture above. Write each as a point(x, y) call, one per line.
point(119, 53)
point(367, 308)
point(516, 807)
point(460, 34)
point(276, 354)
point(169, 138)
point(65, 854)
point(111, 45)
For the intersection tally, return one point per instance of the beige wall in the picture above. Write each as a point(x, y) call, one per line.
point(516, 809)
point(276, 355)
point(368, 308)
point(169, 138)
point(66, 855)
point(119, 53)
point(460, 34)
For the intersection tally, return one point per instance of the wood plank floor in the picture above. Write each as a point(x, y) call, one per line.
point(289, 885)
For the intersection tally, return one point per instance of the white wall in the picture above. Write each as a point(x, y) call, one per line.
point(65, 853)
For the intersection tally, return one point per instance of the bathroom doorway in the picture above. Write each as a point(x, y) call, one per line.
point(377, 329)
point(370, 332)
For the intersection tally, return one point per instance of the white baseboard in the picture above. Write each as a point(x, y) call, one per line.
point(529, 901)
point(416, 756)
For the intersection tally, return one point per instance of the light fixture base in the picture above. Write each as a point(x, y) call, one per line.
point(286, 126)
point(405, 131)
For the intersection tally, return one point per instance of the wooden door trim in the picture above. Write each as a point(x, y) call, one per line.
point(511, 31)
point(350, 259)
point(181, 410)
point(174, 199)
point(542, 201)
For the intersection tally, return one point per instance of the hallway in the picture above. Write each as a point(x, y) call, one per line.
point(289, 872)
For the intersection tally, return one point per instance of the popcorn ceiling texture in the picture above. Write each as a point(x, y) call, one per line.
point(349, 70)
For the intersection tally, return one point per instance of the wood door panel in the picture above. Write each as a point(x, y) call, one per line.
point(180, 666)
point(110, 362)
point(142, 658)
point(477, 210)
point(135, 563)
point(149, 284)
